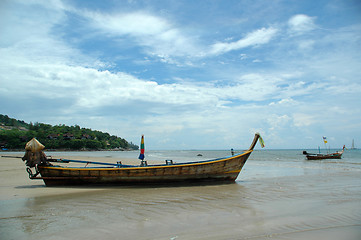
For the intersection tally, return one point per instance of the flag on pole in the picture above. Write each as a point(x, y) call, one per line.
point(141, 155)
point(324, 139)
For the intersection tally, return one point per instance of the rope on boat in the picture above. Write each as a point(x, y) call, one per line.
point(31, 175)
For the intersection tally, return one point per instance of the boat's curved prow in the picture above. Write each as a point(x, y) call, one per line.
point(257, 137)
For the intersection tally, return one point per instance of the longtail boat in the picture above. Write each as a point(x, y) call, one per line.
point(319, 156)
point(221, 169)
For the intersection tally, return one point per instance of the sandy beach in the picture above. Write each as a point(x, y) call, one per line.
point(315, 201)
point(15, 182)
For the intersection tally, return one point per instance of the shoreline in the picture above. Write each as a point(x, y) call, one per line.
point(72, 150)
point(15, 183)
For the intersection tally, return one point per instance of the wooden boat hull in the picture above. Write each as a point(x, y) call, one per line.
point(324, 156)
point(224, 169)
point(315, 156)
point(220, 169)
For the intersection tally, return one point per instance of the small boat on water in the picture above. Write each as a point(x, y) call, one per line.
point(319, 156)
point(353, 145)
point(220, 169)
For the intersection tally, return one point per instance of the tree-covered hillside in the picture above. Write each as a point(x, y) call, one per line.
point(14, 134)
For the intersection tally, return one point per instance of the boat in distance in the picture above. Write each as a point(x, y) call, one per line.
point(224, 169)
point(319, 156)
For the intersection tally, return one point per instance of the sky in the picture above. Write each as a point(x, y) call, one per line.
point(187, 74)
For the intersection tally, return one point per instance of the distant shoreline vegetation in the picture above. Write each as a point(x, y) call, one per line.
point(14, 134)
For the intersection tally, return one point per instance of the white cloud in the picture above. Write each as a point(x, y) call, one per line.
point(21, 20)
point(300, 23)
point(258, 37)
point(156, 34)
point(163, 39)
point(254, 87)
point(303, 120)
point(90, 88)
point(138, 24)
point(276, 121)
point(284, 102)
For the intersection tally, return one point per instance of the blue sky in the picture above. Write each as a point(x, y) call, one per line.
point(187, 74)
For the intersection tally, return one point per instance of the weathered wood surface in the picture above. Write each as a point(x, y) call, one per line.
point(226, 169)
point(222, 169)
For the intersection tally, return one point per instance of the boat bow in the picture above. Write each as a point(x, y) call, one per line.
point(257, 137)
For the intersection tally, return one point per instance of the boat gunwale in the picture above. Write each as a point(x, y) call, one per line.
point(131, 167)
point(323, 155)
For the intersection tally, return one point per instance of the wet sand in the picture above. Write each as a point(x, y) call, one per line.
point(15, 182)
point(318, 203)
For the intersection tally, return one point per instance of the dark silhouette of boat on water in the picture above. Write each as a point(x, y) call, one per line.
point(319, 156)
